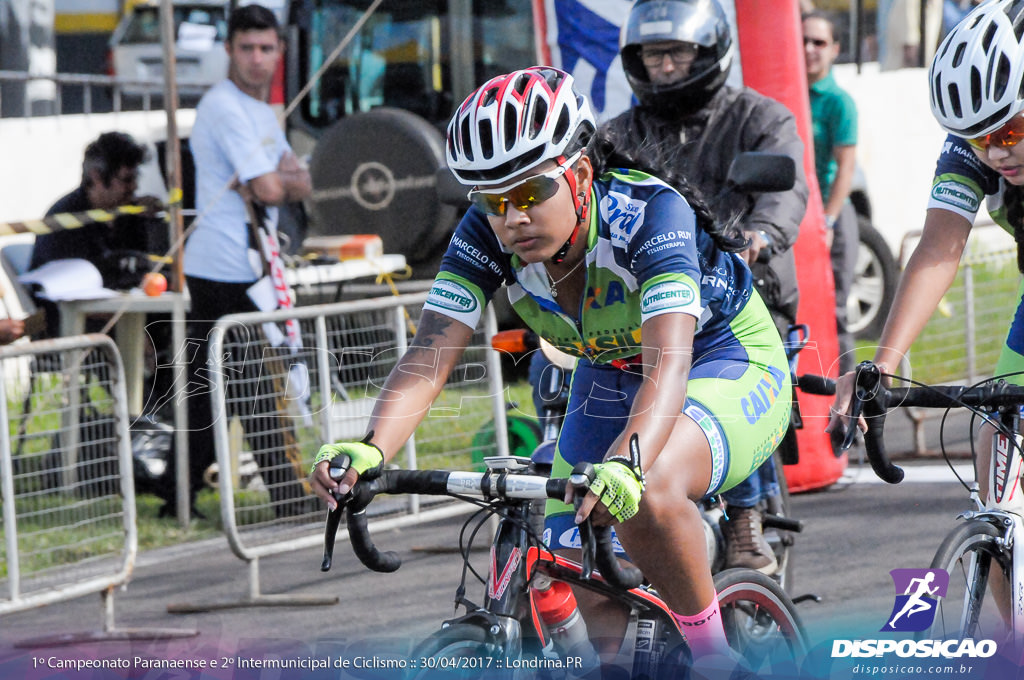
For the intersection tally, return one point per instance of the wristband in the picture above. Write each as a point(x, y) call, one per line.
point(830, 221)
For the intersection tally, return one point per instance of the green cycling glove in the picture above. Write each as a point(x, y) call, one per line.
point(364, 457)
point(619, 483)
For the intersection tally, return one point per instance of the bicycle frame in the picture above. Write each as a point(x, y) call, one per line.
point(1004, 509)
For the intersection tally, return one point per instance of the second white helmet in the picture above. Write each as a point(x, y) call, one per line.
point(976, 79)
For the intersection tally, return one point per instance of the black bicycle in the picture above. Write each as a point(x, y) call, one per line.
point(985, 596)
point(507, 633)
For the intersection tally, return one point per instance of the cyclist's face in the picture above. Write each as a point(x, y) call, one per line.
point(1008, 161)
point(535, 233)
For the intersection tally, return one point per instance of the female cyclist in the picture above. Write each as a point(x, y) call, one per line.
point(977, 95)
point(618, 269)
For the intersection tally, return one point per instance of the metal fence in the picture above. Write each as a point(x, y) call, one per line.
point(962, 340)
point(268, 428)
point(66, 472)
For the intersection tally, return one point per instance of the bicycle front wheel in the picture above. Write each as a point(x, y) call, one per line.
point(760, 620)
point(969, 610)
point(462, 651)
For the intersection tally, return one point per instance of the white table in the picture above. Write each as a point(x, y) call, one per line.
point(130, 332)
point(346, 270)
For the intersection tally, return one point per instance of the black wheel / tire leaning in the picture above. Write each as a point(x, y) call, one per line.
point(462, 651)
point(376, 173)
point(974, 559)
point(761, 622)
point(874, 283)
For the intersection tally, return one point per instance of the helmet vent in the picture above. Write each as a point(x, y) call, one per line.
point(464, 137)
point(976, 91)
point(561, 125)
point(486, 140)
point(1002, 77)
point(958, 56)
point(936, 100)
point(954, 99)
point(489, 96)
point(520, 83)
point(986, 39)
point(540, 114)
point(509, 123)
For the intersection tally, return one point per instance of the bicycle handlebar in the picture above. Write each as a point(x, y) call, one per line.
point(491, 484)
point(874, 400)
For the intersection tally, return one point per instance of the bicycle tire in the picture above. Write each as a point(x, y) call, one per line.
point(456, 644)
point(779, 540)
point(761, 622)
point(967, 611)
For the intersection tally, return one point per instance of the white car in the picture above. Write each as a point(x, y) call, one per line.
point(200, 28)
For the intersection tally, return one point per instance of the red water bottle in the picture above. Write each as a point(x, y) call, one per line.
point(557, 606)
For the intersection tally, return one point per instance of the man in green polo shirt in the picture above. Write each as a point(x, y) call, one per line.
point(834, 117)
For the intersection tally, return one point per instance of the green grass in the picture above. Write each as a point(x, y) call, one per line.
point(57, 529)
point(940, 354)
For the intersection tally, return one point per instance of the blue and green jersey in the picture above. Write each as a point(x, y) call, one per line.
point(645, 257)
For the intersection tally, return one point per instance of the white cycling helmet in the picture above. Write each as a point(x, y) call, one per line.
point(977, 76)
point(514, 122)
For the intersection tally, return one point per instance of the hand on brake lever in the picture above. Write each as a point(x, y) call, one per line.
point(618, 483)
point(839, 418)
point(338, 466)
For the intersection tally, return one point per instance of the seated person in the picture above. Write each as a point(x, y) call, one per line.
point(110, 172)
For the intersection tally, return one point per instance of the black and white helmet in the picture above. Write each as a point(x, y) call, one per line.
point(977, 76)
point(700, 22)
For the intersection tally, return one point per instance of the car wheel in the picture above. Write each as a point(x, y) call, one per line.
point(376, 173)
point(874, 284)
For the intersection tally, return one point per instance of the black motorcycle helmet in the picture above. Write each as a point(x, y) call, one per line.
point(701, 22)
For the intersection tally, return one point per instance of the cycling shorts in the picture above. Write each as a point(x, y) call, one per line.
point(740, 395)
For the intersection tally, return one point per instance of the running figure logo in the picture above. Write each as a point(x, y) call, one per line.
point(917, 593)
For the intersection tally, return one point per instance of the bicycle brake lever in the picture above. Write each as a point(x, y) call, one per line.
point(861, 393)
point(583, 474)
point(330, 533)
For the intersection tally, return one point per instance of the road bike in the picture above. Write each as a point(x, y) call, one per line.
point(983, 554)
point(506, 636)
point(552, 396)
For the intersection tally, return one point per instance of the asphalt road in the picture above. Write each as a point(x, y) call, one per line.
point(855, 532)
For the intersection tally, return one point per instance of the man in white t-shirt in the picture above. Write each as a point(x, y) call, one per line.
point(240, 155)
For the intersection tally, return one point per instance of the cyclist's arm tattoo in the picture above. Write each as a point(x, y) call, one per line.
point(433, 329)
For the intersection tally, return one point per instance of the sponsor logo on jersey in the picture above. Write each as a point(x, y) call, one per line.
point(451, 295)
point(667, 295)
point(623, 214)
point(956, 194)
point(614, 294)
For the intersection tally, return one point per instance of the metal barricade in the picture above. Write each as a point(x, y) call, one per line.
point(68, 497)
point(275, 404)
point(962, 341)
